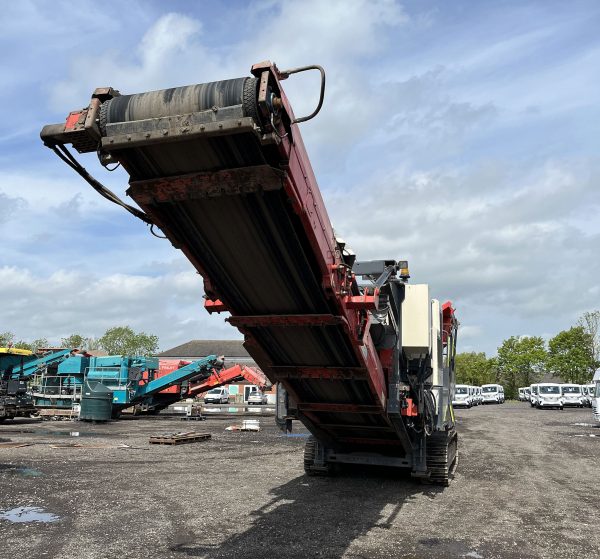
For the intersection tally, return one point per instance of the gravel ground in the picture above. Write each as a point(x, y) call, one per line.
point(526, 487)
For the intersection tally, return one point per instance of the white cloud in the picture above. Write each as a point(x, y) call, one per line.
point(67, 301)
point(345, 37)
point(437, 142)
point(512, 248)
point(169, 53)
point(10, 207)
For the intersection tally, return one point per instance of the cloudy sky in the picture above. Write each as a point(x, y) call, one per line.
point(460, 135)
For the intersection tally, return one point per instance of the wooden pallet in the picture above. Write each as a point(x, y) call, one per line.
point(54, 412)
point(179, 438)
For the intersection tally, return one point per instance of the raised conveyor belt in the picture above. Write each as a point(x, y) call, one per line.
point(225, 175)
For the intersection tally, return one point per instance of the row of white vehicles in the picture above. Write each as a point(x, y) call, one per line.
point(558, 395)
point(466, 395)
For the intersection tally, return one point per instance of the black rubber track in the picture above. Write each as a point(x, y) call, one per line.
point(442, 453)
point(310, 450)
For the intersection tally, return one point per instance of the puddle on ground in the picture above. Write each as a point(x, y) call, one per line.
point(29, 472)
point(21, 470)
point(28, 514)
point(295, 435)
point(72, 433)
point(16, 431)
point(584, 424)
point(457, 548)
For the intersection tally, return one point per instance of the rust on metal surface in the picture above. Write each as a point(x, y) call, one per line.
point(206, 184)
point(287, 320)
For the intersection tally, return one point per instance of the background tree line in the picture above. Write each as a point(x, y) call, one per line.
point(572, 355)
point(119, 340)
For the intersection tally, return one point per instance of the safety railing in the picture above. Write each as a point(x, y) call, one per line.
point(54, 387)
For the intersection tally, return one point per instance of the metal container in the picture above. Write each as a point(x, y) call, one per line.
point(96, 402)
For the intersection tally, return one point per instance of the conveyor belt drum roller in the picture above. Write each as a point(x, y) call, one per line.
point(181, 101)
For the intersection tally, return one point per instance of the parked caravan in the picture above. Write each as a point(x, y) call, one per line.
point(572, 395)
point(549, 396)
point(493, 393)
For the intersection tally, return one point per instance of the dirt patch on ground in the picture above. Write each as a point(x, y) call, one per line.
point(526, 487)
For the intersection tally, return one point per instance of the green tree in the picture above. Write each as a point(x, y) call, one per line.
point(520, 362)
point(32, 346)
point(92, 344)
point(590, 322)
point(40, 342)
point(474, 368)
point(571, 355)
point(122, 340)
point(6, 338)
point(74, 341)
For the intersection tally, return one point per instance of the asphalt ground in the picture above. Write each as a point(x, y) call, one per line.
point(527, 486)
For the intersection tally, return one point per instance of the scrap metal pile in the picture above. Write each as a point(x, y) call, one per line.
point(364, 359)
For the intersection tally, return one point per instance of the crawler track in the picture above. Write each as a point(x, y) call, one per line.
point(442, 455)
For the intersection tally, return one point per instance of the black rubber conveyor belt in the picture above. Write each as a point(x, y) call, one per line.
point(252, 244)
point(180, 100)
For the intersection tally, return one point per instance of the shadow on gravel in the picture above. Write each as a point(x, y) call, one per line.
point(18, 421)
point(317, 517)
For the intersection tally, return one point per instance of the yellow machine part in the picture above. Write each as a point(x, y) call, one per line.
point(15, 351)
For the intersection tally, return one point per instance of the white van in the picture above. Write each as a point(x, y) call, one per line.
point(493, 393)
point(217, 396)
point(549, 396)
point(522, 395)
point(584, 394)
point(462, 396)
point(479, 395)
point(533, 394)
point(596, 397)
point(473, 395)
point(572, 395)
point(588, 393)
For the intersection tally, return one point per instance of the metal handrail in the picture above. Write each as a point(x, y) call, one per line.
point(284, 74)
point(55, 391)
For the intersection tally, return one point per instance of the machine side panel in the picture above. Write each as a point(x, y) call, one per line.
point(416, 320)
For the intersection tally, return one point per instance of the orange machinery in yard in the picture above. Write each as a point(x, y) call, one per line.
point(227, 376)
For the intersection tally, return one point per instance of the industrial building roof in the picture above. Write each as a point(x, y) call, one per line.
point(202, 348)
